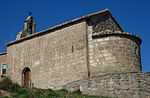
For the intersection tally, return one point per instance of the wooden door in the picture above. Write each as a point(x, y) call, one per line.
point(26, 78)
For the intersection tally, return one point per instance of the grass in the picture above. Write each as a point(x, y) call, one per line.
point(17, 91)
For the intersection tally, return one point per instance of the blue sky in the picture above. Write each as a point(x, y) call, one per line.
point(132, 15)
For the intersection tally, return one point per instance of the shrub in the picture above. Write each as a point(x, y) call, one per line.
point(77, 92)
point(4, 97)
point(62, 90)
point(8, 85)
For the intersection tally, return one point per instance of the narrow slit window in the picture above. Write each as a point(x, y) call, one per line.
point(136, 51)
point(72, 49)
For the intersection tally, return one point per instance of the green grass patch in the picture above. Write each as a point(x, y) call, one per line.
point(17, 91)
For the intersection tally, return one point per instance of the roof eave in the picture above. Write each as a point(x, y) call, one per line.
point(3, 53)
point(61, 26)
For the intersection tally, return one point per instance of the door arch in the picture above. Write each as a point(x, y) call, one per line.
point(26, 75)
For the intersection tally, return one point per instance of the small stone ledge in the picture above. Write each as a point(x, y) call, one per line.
point(121, 85)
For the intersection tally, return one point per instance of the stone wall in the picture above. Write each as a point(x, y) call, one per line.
point(56, 58)
point(111, 53)
point(114, 54)
point(120, 85)
point(103, 22)
point(3, 60)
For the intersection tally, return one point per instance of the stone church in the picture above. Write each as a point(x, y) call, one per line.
point(91, 48)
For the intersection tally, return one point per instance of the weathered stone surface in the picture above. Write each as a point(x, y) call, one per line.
point(111, 53)
point(54, 59)
point(103, 22)
point(120, 85)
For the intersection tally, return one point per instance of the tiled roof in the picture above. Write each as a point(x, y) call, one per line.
point(111, 32)
point(60, 26)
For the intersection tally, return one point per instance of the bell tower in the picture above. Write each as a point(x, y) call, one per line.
point(29, 24)
point(29, 27)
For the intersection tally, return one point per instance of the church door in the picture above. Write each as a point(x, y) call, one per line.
point(26, 77)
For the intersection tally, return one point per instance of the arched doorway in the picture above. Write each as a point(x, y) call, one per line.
point(26, 74)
